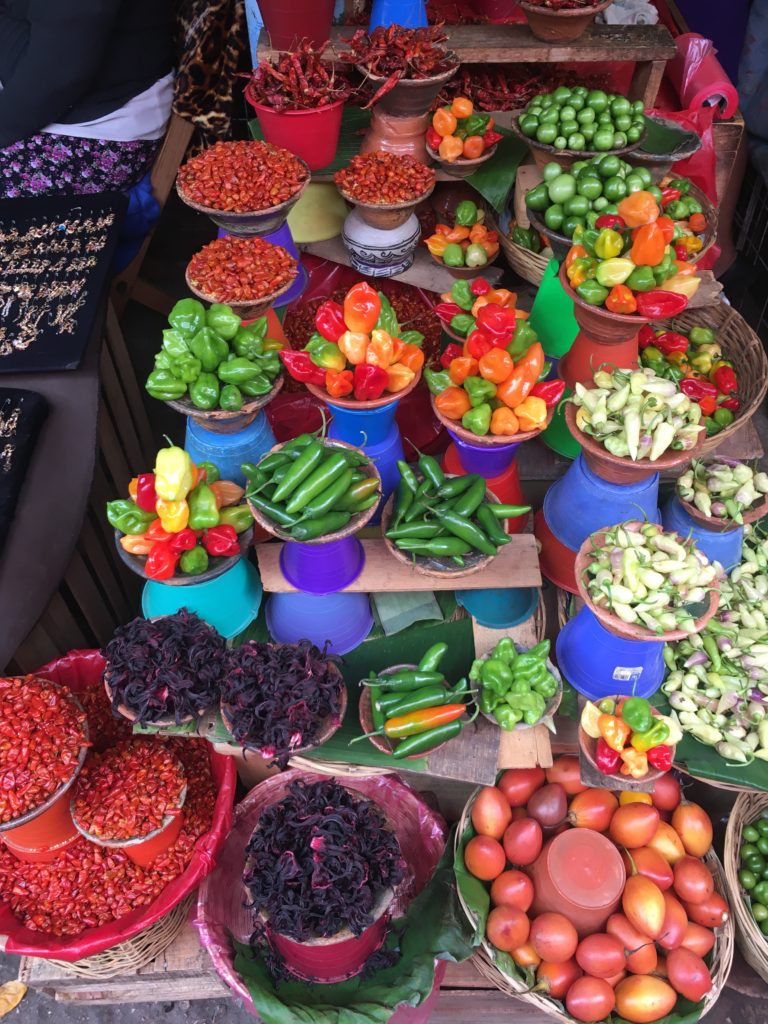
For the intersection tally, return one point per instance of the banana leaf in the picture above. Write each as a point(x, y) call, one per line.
point(495, 179)
point(664, 138)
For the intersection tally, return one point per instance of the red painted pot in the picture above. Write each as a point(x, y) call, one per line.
point(290, 21)
point(506, 486)
point(312, 135)
point(556, 560)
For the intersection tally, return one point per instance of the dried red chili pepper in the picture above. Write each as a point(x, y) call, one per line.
point(235, 269)
point(298, 80)
point(380, 178)
point(242, 177)
point(395, 53)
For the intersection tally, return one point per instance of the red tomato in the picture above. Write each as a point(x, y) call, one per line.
point(490, 813)
point(507, 928)
point(566, 771)
point(523, 840)
point(593, 808)
point(519, 784)
point(590, 999)
point(554, 938)
point(512, 889)
point(634, 825)
point(484, 858)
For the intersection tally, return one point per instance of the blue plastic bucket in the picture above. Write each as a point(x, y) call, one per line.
point(229, 603)
point(724, 547)
point(284, 238)
point(483, 459)
point(322, 568)
point(499, 609)
point(228, 451)
point(599, 664)
point(581, 502)
point(362, 427)
point(409, 13)
point(344, 620)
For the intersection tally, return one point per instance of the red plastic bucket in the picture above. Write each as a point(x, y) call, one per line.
point(556, 560)
point(312, 135)
point(145, 853)
point(506, 486)
point(498, 11)
point(43, 854)
point(290, 21)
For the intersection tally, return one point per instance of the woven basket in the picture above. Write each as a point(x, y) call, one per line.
point(750, 940)
point(526, 264)
point(483, 960)
point(129, 956)
point(740, 344)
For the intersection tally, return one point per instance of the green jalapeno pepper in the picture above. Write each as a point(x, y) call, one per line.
point(409, 679)
point(310, 529)
point(432, 657)
point(466, 530)
point(308, 460)
point(493, 528)
point(425, 741)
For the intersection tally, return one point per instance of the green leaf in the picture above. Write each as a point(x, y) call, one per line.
point(663, 137)
point(387, 318)
point(569, 703)
point(412, 338)
point(473, 891)
point(495, 178)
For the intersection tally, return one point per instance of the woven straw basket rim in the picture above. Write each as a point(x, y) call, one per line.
point(750, 940)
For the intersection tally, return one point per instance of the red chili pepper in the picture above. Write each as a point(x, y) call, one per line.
point(724, 380)
point(329, 321)
point(550, 390)
point(606, 759)
point(660, 757)
point(184, 540)
point(681, 252)
point(659, 305)
point(235, 268)
point(452, 351)
point(646, 336)
point(241, 177)
point(731, 403)
point(480, 286)
point(380, 177)
point(370, 382)
point(446, 311)
point(669, 195)
point(146, 496)
point(477, 344)
point(491, 138)
point(610, 220)
point(497, 323)
point(433, 139)
point(221, 541)
point(707, 404)
point(671, 341)
point(697, 389)
point(161, 561)
point(301, 367)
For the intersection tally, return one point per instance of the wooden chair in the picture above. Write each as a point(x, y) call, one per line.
point(129, 284)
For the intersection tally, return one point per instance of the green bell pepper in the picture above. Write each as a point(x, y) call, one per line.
point(477, 420)
point(636, 712)
point(203, 510)
point(522, 339)
point(239, 371)
point(593, 293)
point(194, 562)
point(187, 317)
point(247, 344)
point(187, 369)
point(701, 335)
point(641, 279)
point(463, 323)
point(209, 348)
point(223, 320)
point(657, 734)
point(162, 385)
point(505, 651)
point(462, 295)
point(496, 675)
point(479, 390)
point(609, 243)
point(175, 344)
point(587, 238)
point(231, 398)
point(126, 516)
point(507, 717)
point(437, 380)
point(614, 271)
point(256, 386)
point(466, 213)
point(204, 392)
point(546, 685)
point(677, 209)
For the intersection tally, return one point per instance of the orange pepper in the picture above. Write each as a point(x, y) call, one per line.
point(473, 147)
point(461, 368)
point(480, 301)
point(621, 299)
point(412, 357)
point(444, 122)
point(462, 107)
point(353, 345)
point(667, 225)
point(684, 268)
point(532, 362)
point(478, 232)
point(648, 247)
point(362, 306)
point(697, 222)
point(136, 543)
point(380, 349)
point(133, 487)
point(451, 148)
point(576, 252)
point(638, 208)
point(520, 314)
point(437, 244)
point(226, 492)
point(442, 229)
point(531, 414)
point(339, 383)
point(399, 376)
point(501, 297)
point(504, 421)
point(491, 248)
point(496, 365)
point(453, 403)
point(457, 234)
point(398, 347)
point(513, 390)
point(156, 532)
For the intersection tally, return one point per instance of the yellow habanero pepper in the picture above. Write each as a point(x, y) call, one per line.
point(614, 731)
point(174, 515)
point(681, 284)
point(635, 763)
point(531, 414)
point(173, 473)
point(353, 345)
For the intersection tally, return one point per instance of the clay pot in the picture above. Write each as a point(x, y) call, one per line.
point(246, 310)
point(410, 97)
point(461, 168)
point(403, 136)
point(588, 746)
point(560, 26)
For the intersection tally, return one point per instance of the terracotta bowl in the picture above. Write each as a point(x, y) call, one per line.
point(587, 748)
point(386, 215)
point(543, 153)
point(660, 164)
point(717, 525)
point(463, 167)
point(552, 704)
point(488, 440)
point(560, 26)
point(217, 566)
point(465, 273)
point(602, 326)
point(366, 718)
point(353, 403)
point(357, 522)
point(617, 469)
point(162, 723)
point(223, 421)
point(628, 630)
point(410, 97)
point(245, 310)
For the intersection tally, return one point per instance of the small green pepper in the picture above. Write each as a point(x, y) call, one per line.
point(466, 213)
point(475, 256)
point(126, 516)
point(461, 294)
point(649, 738)
point(592, 293)
point(195, 561)
point(462, 324)
point(479, 390)
point(507, 717)
point(238, 371)
point(247, 345)
point(204, 392)
point(641, 280)
point(212, 473)
point(478, 419)
point(238, 516)
point(203, 510)
point(187, 369)
point(223, 320)
point(162, 385)
point(231, 398)
point(187, 317)
point(496, 675)
point(637, 713)
point(175, 344)
point(505, 650)
point(209, 348)
point(453, 255)
point(256, 386)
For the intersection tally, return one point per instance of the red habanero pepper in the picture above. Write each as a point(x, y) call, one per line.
point(452, 351)
point(433, 139)
point(610, 220)
point(370, 382)
point(329, 320)
point(161, 562)
point(707, 404)
point(446, 311)
point(681, 252)
point(550, 390)
point(723, 378)
point(607, 760)
point(670, 341)
point(731, 403)
point(362, 306)
point(156, 532)
point(497, 323)
point(491, 138)
point(621, 299)
point(184, 540)
point(646, 336)
point(480, 286)
point(477, 344)
point(667, 226)
point(301, 367)
point(669, 195)
point(340, 383)
point(660, 757)
point(659, 305)
point(698, 389)
point(221, 541)
point(146, 496)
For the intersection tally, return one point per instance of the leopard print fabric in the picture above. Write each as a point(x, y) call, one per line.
point(211, 40)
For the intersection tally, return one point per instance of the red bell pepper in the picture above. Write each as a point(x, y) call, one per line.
point(698, 389)
point(446, 311)
point(146, 496)
point(452, 351)
point(659, 305)
point(480, 286)
point(671, 341)
point(497, 323)
point(491, 138)
point(610, 220)
point(660, 757)
point(370, 382)
point(669, 195)
point(646, 336)
point(221, 541)
point(606, 759)
point(184, 540)
point(301, 367)
point(731, 403)
point(723, 378)
point(161, 562)
point(550, 390)
point(477, 344)
point(329, 320)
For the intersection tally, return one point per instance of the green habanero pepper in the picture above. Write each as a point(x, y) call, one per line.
point(175, 344)
point(641, 280)
point(657, 734)
point(238, 371)
point(209, 348)
point(453, 255)
point(723, 417)
point(479, 390)
point(478, 419)
point(195, 561)
point(187, 317)
point(231, 398)
point(522, 339)
point(507, 717)
point(592, 293)
point(223, 320)
point(203, 510)
point(187, 369)
point(162, 385)
point(546, 685)
point(462, 295)
point(437, 381)
point(204, 392)
point(636, 712)
point(463, 323)
point(238, 516)
point(608, 244)
point(496, 675)
point(126, 516)
point(701, 336)
point(505, 650)
point(212, 473)
point(256, 386)
point(247, 345)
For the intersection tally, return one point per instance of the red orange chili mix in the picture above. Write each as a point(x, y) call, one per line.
point(235, 269)
point(382, 178)
point(41, 733)
point(241, 177)
point(127, 791)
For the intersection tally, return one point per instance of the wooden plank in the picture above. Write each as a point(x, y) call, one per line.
point(646, 81)
point(494, 44)
point(516, 565)
point(423, 273)
point(115, 342)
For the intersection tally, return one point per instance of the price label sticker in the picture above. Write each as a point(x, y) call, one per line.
point(627, 673)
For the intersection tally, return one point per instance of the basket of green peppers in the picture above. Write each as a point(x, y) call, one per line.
point(519, 686)
point(312, 490)
point(214, 368)
point(409, 711)
point(444, 525)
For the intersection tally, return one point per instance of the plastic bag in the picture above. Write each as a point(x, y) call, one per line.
point(81, 670)
point(699, 78)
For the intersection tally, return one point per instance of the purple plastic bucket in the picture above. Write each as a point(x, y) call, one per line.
point(482, 459)
point(322, 568)
point(343, 620)
point(284, 238)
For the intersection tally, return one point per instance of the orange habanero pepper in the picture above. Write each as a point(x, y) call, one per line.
point(576, 252)
point(621, 299)
point(504, 421)
point(380, 350)
point(362, 306)
point(453, 403)
point(667, 226)
point(339, 383)
point(648, 246)
point(227, 492)
point(496, 365)
point(531, 414)
point(638, 208)
point(412, 357)
point(514, 389)
point(451, 148)
point(353, 345)
point(399, 376)
point(461, 368)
